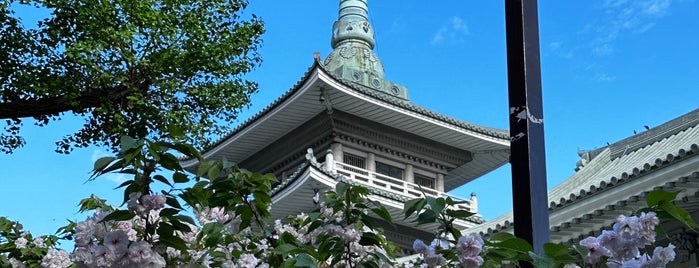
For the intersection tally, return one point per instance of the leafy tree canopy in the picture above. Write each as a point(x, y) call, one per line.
point(138, 68)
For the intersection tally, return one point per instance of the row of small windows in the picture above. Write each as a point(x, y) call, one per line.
point(386, 169)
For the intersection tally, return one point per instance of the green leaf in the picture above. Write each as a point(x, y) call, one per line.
point(542, 261)
point(369, 239)
point(177, 225)
point(127, 143)
point(285, 249)
point(126, 183)
point(168, 212)
point(170, 162)
point(173, 202)
point(459, 214)
point(428, 216)
point(382, 212)
point(162, 179)
point(119, 215)
point(515, 244)
point(304, 260)
point(437, 205)
point(179, 177)
point(554, 250)
point(185, 219)
point(175, 131)
point(678, 213)
point(170, 240)
point(655, 197)
point(413, 205)
point(501, 236)
point(103, 162)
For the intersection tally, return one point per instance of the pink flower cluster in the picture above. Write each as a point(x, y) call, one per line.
point(101, 243)
point(468, 247)
point(623, 243)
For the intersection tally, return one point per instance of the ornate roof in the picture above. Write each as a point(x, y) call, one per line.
point(294, 107)
point(617, 178)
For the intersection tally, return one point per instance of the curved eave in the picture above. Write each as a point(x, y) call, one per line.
point(490, 147)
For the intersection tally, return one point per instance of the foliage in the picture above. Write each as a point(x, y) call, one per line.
point(16, 244)
point(230, 229)
point(620, 247)
point(231, 206)
point(341, 234)
point(133, 68)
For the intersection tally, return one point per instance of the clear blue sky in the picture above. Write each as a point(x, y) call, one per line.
point(608, 68)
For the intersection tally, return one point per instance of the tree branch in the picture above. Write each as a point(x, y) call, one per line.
point(59, 104)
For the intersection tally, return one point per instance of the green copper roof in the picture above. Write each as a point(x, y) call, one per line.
point(353, 58)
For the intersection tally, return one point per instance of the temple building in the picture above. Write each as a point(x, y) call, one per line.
point(344, 121)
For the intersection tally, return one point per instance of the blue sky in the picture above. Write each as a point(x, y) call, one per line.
point(608, 68)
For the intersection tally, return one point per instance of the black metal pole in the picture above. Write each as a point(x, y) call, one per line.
point(529, 193)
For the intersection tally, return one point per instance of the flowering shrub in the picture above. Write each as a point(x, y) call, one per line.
point(230, 206)
point(341, 234)
point(229, 229)
point(620, 247)
point(20, 249)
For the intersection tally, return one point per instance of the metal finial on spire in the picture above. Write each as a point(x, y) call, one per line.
point(353, 24)
point(353, 58)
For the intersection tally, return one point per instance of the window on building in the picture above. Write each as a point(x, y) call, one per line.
point(389, 170)
point(356, 161)
point(424, 181)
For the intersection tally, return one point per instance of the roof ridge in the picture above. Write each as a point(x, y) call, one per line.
point(655, 134)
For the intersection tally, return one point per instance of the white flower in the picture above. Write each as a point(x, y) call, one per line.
point(156, 261)
point(39, 242)
point(82, 255)
point(117, 243)
point(248, 260)
point(421, 247)
point(351, 234)
point(595, 249)
point(21, 243)
point(153, 202)
point(435, 260)
point(627, 227)
point(56, 259)
point(133, 204)
point(127, 227)
point(84, 232)
point(140, 252)
point(664, 254)
point(470, 245)
point(439, 244)
point(471, 261)
point(16, 264)
point(648, 221)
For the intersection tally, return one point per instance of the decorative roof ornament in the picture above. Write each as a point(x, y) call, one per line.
point(353, 58)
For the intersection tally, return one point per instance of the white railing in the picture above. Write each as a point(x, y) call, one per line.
point(397, 186)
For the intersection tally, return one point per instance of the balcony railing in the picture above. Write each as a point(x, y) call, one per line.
point(397, 186)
